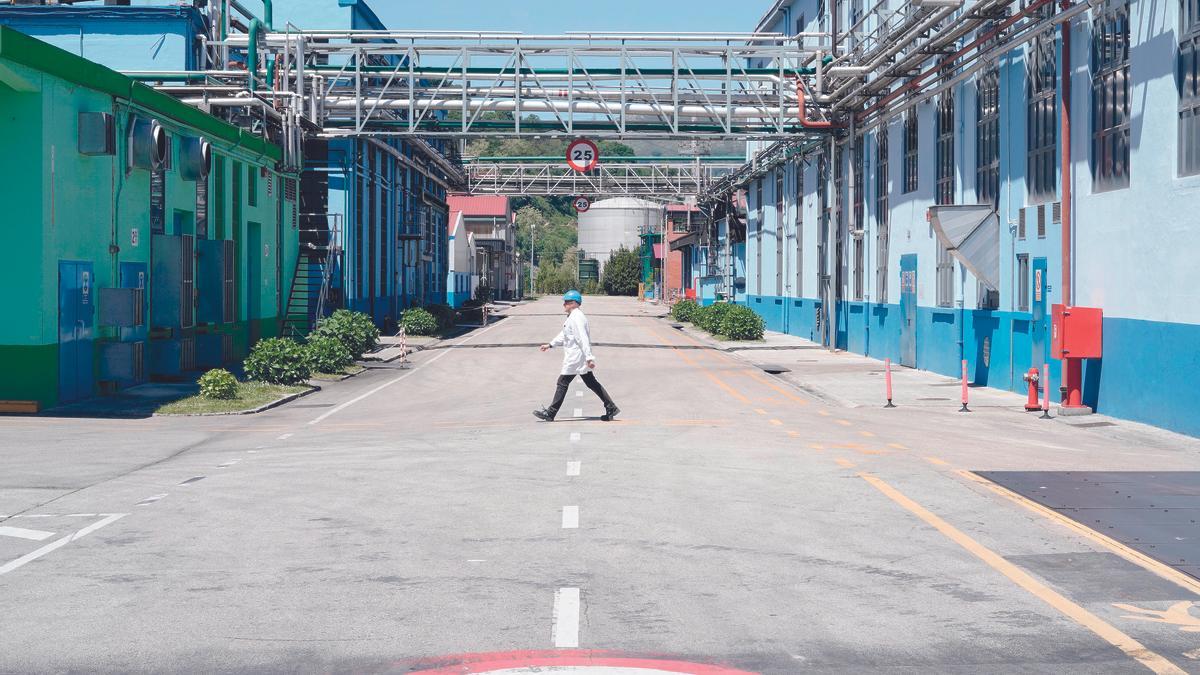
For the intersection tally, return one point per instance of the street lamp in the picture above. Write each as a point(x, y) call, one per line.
point(532, 253)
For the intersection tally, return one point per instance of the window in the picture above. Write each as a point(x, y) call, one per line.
point(218, 208)
point(800, 26)
point(858, 268)
point(945, 149)
point(252, 185)
point(1023, 282)
point(779, 232)
point(1110, 99)
point(1188, 85)
point(859, 200)
point(202, 207)
point(799, 229)
point(881, 215)
point(987, 137)
point(911, 137)
point(758, 234)
point(158, 200)
point(945, 276)
point(822, 216)
point(1041, 133)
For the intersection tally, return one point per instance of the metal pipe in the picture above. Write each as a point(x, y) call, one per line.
point(1072, 368)
point(766, 113)
point(252, 53)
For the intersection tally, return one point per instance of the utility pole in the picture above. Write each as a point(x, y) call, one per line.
point(532, 253)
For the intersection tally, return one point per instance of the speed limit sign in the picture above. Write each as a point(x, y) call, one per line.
point(582, 155)
point(582, 204)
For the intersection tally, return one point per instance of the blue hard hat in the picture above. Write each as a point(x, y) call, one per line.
point(573, 296)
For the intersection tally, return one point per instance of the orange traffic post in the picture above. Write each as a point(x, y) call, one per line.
point(887, 370)
point(964, 407)
point(1046, 393)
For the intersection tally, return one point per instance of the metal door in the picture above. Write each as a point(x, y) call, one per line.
point(76, 313)
point(255, 281)
point(908, 310)
point(1038, 326)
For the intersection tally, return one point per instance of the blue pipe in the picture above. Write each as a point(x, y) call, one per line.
point(256, 27)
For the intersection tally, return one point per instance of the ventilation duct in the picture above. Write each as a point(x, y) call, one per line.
point(971, 233)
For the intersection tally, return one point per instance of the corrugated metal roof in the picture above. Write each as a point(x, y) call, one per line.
point(492, 206)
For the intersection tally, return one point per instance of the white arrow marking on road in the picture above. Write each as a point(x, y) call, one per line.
point(59, 543)
point(22, 533)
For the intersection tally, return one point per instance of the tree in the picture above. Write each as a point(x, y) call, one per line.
point(622, 273)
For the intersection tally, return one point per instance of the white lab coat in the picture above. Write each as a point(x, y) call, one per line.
point(576, 342)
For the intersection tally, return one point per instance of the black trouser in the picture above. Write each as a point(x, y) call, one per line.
point(564, 381)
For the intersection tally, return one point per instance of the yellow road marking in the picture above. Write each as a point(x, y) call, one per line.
point(844, 423)
point(871, 452)
point(816, 446)
point(868, 434)
point(777, 423)
point(848, 446)
point(794, 434)
point(772, 385)
point(716, 380)
point(897, 446)
point(845, 463)
point(1136, 557)
point(1105, 630)
point(937, 460)
point(824, 413)
point(760, 411)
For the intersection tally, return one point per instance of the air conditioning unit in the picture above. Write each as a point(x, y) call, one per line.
point(97, 134)
point(195, 158)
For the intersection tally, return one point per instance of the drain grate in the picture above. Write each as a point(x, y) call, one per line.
point(933, 398)
point(1093, 425)
point(774, 369)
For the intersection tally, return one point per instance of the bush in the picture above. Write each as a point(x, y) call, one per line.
point(418, 321)
point(622, 273)
point(278, 361)
point(445, 315)
point(741, 323)
point(219, 384)
point(328, 354)
point(555, 279)
point(591, 287)
point(684, 310)
point(355, 330)
point(709, 318)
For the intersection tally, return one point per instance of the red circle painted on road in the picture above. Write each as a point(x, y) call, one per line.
point(582, 155)
point(564, 661)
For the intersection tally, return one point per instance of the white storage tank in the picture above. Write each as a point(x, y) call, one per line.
point(612, 223)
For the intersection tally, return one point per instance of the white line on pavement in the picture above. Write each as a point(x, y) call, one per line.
point(59, 543)
point(579, 412)
point(575, 436)
point(573, 468)
point(151, 500)
point(22, 533)
point(228, 464)
point(285, 437)
point(566, 618)
point(579, 394)
point(570, 517)
point(389, 383)
point(81, 515)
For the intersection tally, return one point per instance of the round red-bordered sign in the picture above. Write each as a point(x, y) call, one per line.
point(565, 661)
point(582, 155)
point(581, 204)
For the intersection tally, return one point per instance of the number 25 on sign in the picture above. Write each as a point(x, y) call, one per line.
point(582, 155)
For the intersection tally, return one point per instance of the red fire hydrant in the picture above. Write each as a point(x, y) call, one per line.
point(1032, 378)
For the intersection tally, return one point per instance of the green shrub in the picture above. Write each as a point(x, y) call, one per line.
point(278, 361)
point(709, 318)
point(555, 279)
point(622, 272)
point(741, 323)
point(446, 317)
point(327, 354)
point(684, 310)
point(219, 384)
point(591, 287)
point(355, 330)
point(418, 321)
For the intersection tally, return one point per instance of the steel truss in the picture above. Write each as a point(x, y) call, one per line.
point(381, 83)
point(612, 178)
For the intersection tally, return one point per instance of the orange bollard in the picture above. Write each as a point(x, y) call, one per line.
point(887, 368)
point(1046, 394)
point(1032, 402)
point(964, 407)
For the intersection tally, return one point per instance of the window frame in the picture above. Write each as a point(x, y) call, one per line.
point(1023, 282)
point(911, 146)
point(987, 136)
point(945, 276)
point(946, 184)
point(1187, 86)
point(882, 215)
point(1111, 110)
point(1041, 122)
point(799, 187)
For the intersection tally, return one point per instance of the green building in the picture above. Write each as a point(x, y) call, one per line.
point(146, 238)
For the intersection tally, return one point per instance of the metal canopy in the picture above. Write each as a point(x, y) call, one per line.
point(971, 232)
point(616, 178)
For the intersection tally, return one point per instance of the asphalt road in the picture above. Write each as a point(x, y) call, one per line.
point(405, 519)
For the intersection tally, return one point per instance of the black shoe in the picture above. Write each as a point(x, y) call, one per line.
point(544, 415)
point(610, 414)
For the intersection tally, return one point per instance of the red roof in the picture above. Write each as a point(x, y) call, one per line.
point(487, 206)
point(681, 208)
point(453, 220)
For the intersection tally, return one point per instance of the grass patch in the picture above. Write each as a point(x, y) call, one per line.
point(352, 369)
point(250, 395)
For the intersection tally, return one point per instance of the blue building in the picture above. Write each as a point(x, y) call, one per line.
point(842, 243)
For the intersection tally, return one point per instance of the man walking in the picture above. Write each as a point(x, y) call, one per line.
point(577, 360)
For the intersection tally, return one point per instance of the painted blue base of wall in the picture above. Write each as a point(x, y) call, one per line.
point(1150, 372)
point(457, 300)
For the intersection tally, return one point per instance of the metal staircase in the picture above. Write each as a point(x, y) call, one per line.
point(312, 280)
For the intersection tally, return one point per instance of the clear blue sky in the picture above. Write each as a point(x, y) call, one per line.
point(558, 16)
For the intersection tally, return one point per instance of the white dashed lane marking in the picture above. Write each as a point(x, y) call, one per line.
point(151, 500)
point(570, 517)
point(579, 412)
point(573, 468)
point(575, 436)
point(60, 542)
point(566, 618)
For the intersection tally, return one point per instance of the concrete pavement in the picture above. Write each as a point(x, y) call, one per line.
point(407, 517)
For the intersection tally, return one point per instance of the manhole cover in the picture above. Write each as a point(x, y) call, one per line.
point(774, 369)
